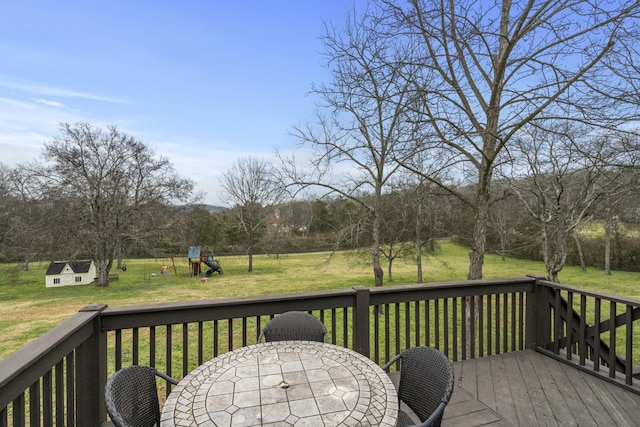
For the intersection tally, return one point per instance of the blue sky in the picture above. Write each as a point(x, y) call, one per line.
point(201, 82)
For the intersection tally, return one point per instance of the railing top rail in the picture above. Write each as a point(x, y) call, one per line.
point(401, 293)
point(223, 308)
point(589, 293)
point(218, 302)
point(456, 284)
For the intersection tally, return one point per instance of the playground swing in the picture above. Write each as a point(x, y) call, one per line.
point(164, 267)
point(164, 263)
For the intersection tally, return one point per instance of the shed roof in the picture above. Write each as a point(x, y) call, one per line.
point(81, 266)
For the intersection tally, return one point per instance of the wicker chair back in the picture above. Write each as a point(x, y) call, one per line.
point(294, 325)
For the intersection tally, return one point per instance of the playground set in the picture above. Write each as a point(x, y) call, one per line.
point(197, 258)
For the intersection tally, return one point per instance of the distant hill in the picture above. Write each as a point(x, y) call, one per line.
point(210, 208)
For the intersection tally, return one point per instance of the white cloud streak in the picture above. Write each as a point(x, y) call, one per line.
point(49, 103)
point(47, 90)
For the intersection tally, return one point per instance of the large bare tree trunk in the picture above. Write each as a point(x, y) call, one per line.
point(378, 273)
point(555, 256)
point(476, 256)
point(103, 258)
point(103, 273)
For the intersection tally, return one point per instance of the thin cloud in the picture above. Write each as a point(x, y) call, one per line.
point(26, 124)
point(15, 103)
point(46, 90)
point(49, 103)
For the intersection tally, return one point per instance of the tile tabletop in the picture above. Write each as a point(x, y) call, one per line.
point(286, 383)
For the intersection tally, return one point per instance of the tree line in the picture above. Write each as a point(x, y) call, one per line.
point(543, 212)
point(562, 208)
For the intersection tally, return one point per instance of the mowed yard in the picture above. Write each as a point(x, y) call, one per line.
point(28, 309)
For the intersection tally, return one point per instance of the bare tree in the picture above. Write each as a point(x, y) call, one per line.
point(6, 201)
point(252, 192)
point(560, 177)
point(414, 210)
point(27, 232)
point(5, 173)
point(353, 147)
point(613, 202)
point(112, 186)
point(397, 229)
point(504, 218)
point(489, 68)
point(9, 218)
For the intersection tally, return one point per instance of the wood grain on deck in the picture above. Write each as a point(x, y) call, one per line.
point(527, 388)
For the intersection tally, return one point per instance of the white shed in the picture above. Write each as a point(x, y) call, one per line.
point(70, 273)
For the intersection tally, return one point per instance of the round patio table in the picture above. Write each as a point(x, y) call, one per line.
point(284, 383)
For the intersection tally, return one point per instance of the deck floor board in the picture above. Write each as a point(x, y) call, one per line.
point(504, 403)
point(527, 388)
point(561, 394)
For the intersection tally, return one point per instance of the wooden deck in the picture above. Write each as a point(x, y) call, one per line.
point(527, 388)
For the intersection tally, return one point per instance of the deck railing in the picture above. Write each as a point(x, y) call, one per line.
point(59, 378)
point(593, 331)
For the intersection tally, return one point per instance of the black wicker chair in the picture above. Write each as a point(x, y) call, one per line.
point(294, 325)
point(131, 396)
point(426, 384)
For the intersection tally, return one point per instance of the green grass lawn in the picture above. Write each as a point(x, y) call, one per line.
point(28, 308)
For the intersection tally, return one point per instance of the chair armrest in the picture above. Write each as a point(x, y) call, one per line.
point(437, 414)
point(167, 377)
point(393, 360)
